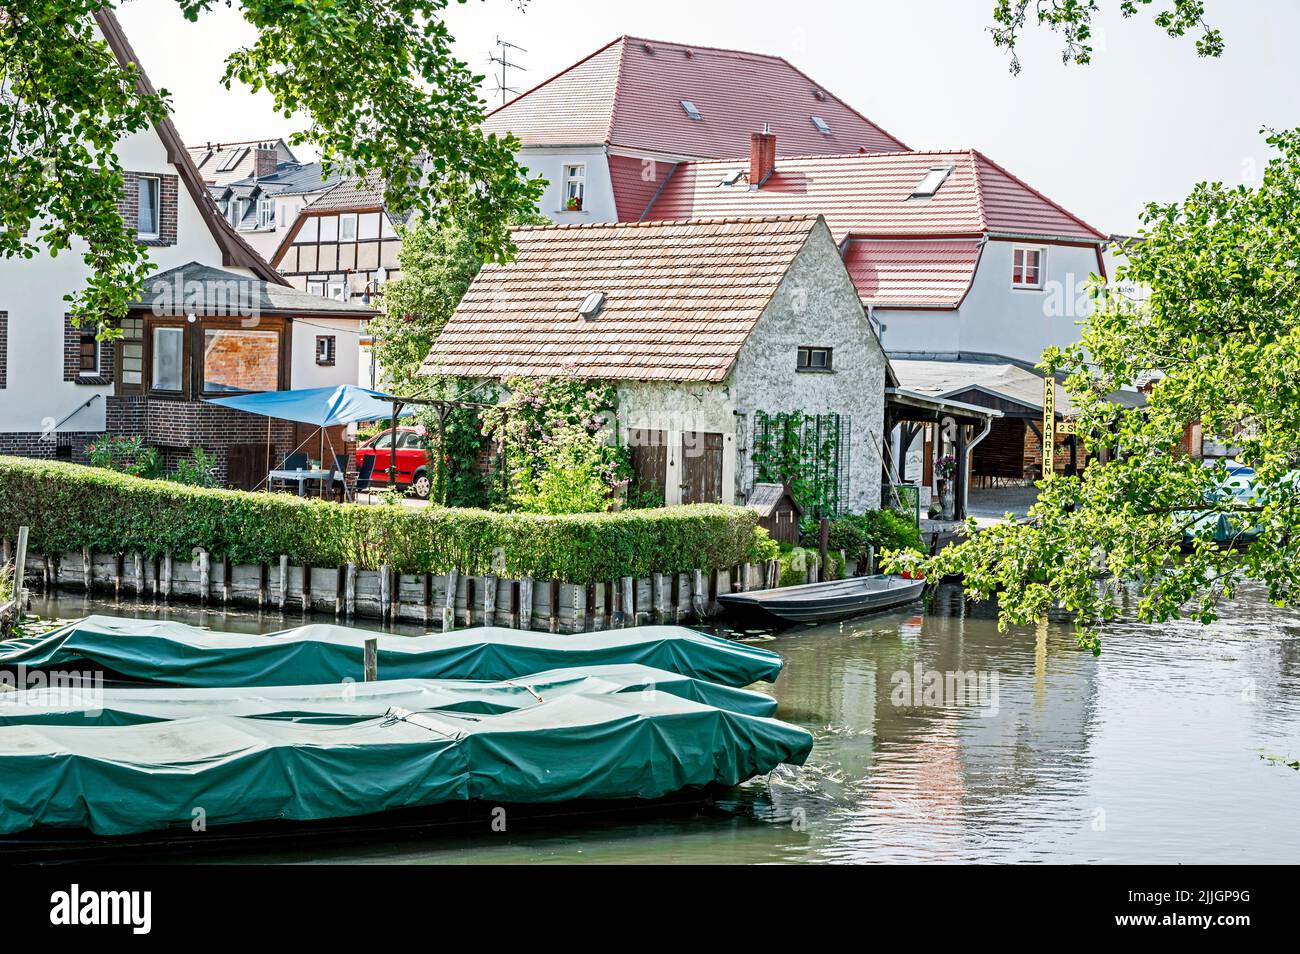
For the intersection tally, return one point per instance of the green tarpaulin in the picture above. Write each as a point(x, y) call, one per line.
point(122, 779)
point(357, 701)
point(161, 651)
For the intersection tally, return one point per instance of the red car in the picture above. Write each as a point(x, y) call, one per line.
point(412, 459)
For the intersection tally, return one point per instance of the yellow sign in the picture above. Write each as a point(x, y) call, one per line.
point(1049, 430)
point(1065, 427)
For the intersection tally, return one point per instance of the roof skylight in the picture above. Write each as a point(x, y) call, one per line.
point(691, 110)
point(231, 160)
point(822, 126)
point(732, 178)
point(931, 183)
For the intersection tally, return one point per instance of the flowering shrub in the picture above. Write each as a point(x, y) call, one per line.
point(126, 455)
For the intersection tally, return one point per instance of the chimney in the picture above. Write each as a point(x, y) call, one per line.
point(265, 160)
point(762, 156)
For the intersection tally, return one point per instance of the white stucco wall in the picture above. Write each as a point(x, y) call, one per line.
point(996, 318)
point(32, 290)
point(304, 372)
point(815, 305)
point(598, 201)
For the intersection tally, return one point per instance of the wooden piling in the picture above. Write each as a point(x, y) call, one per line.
point(449, 604)
point(554, 606)
point(227, 583)
point(349, 590)
point(119, 571)
point(370, 659)
point(284, 582)
point(627, 600)
point(340, 589)
point(20, 574)
point(591, 606)
point(138, 561)
point(514, 605)
point(428, 599)
point(699, 604)
point(306, 589)
point(205, 577)
point(385, 592)
point(526, 603)
point(263, 585)
point(87, 570)
point(469, 600)
point(489, 600)
point(166, 587)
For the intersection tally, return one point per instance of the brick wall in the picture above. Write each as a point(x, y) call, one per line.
point(129, 206)
point(176, 427)
point(72, 355)
point(68, 445)
point(249, 361)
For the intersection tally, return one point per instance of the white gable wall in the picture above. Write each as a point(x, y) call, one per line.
point(598, 202)
point(31, 293)
point(996, 318)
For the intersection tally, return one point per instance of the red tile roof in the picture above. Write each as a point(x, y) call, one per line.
point(870, 196)
point(680, 300)
point(629, 95)
point(930, 273)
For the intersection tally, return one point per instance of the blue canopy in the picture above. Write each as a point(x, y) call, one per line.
point(324, 407)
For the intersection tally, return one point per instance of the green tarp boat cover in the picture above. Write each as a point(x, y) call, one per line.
point(115, 780)
point(358, 701)
point(162, 651)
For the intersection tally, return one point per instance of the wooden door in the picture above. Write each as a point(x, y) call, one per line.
point(701, 467)
point(649, 449)
point(246, 465)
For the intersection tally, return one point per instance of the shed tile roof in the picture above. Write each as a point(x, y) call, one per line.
point(350, 194)
point(946, 378)
point(907, 273)
point(870, 196)
point(629, 93)
point(206, 290)
point(680, 300)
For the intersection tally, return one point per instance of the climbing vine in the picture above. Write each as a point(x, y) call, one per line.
point(802, 450)
point(559, 445)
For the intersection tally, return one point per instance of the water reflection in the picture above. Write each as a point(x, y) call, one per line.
point(1151, 752)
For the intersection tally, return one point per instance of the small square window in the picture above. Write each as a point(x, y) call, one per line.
point(325, 350)
point(692, 110)
point(316, 288)
point(347, 228)
point(814, 359)
point(1027, 268)
point(147, 214)
point(337, 290)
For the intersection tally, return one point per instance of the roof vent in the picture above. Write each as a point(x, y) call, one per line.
point(689, 54)
point(592, 305)
point(648, 48)
point(692, 110)
point(821, 125)
point(931, 183)
point(819, 96)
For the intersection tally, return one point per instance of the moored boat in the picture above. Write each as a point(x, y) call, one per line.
point(118, 780)
point(169, 653)
point(824, 602)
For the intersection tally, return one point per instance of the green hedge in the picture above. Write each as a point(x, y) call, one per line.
point(68, 506)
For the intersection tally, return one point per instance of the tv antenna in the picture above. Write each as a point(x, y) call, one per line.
point(503, 87)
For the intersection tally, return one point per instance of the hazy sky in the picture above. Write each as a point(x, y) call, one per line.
point(1144, 122)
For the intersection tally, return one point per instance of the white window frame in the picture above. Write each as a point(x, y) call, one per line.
point(574, 185)
point(350, 218)
point(265, 213)
point(810, 367)
point(157, 207)
point(316, 288)
point(161, 331)
point(1024, 250)
point(338, 290)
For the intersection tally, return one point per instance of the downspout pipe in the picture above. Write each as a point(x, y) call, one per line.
point(970, 446)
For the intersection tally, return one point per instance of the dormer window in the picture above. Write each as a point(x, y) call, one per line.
point(929, 185)
point(265, 213)
point(692, 111)
point(1027, 268)
point(575, 186)
point(822, 126)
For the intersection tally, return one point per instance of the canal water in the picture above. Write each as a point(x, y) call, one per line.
point(941, 739)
